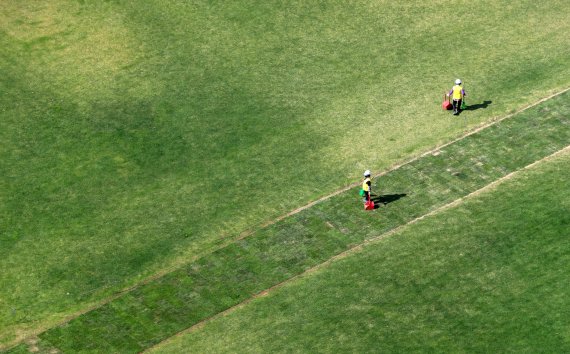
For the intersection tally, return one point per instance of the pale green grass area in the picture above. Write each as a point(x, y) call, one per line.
point(489, 276)
point(136, 136)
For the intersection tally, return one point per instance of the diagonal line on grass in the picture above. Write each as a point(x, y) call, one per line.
point(356, 248)
point(475, 130)
point(292, 214)
point(244, 268)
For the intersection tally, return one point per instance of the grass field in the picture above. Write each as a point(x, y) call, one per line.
point(488, 276)
point(141, 136)
point(271, 255)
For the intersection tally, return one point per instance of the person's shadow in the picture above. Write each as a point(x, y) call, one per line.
point(477, 106)
point(385, 199)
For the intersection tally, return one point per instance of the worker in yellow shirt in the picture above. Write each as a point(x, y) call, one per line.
point(457, 93)
point(366, 186)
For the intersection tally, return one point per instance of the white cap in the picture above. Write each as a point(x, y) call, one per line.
point(458, 82)
point(367, 173)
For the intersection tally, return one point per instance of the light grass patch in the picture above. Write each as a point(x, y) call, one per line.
point(35, 20)
point(79, 52)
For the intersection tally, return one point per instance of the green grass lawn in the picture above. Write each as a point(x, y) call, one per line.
point(488, 276)
point(274, 254)
point(140, 135)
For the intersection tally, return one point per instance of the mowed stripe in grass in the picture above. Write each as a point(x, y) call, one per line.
point(140, 135)
point(230, 275)
point(488, 276)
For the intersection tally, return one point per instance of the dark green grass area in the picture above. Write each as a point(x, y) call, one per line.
point(20, 349)
point(138, 135)
point(230, 275)
point(488, 276)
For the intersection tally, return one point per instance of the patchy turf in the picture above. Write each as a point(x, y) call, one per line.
point(487, 276)
point(274, 254)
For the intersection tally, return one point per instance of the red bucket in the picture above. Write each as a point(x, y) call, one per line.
point(369, 205)
point(446, 105)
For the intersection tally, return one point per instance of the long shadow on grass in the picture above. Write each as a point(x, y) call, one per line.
point(387, 198)
point(474, 107)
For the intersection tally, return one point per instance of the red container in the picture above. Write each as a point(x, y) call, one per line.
point(446, 105)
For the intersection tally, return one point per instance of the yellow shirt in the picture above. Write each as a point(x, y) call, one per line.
point(365, 186)
point(457, 95)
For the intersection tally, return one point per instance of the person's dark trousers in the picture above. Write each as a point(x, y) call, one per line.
point(456, 106)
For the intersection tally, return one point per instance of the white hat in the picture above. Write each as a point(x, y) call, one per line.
point(458, 82)
point(367, 173)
